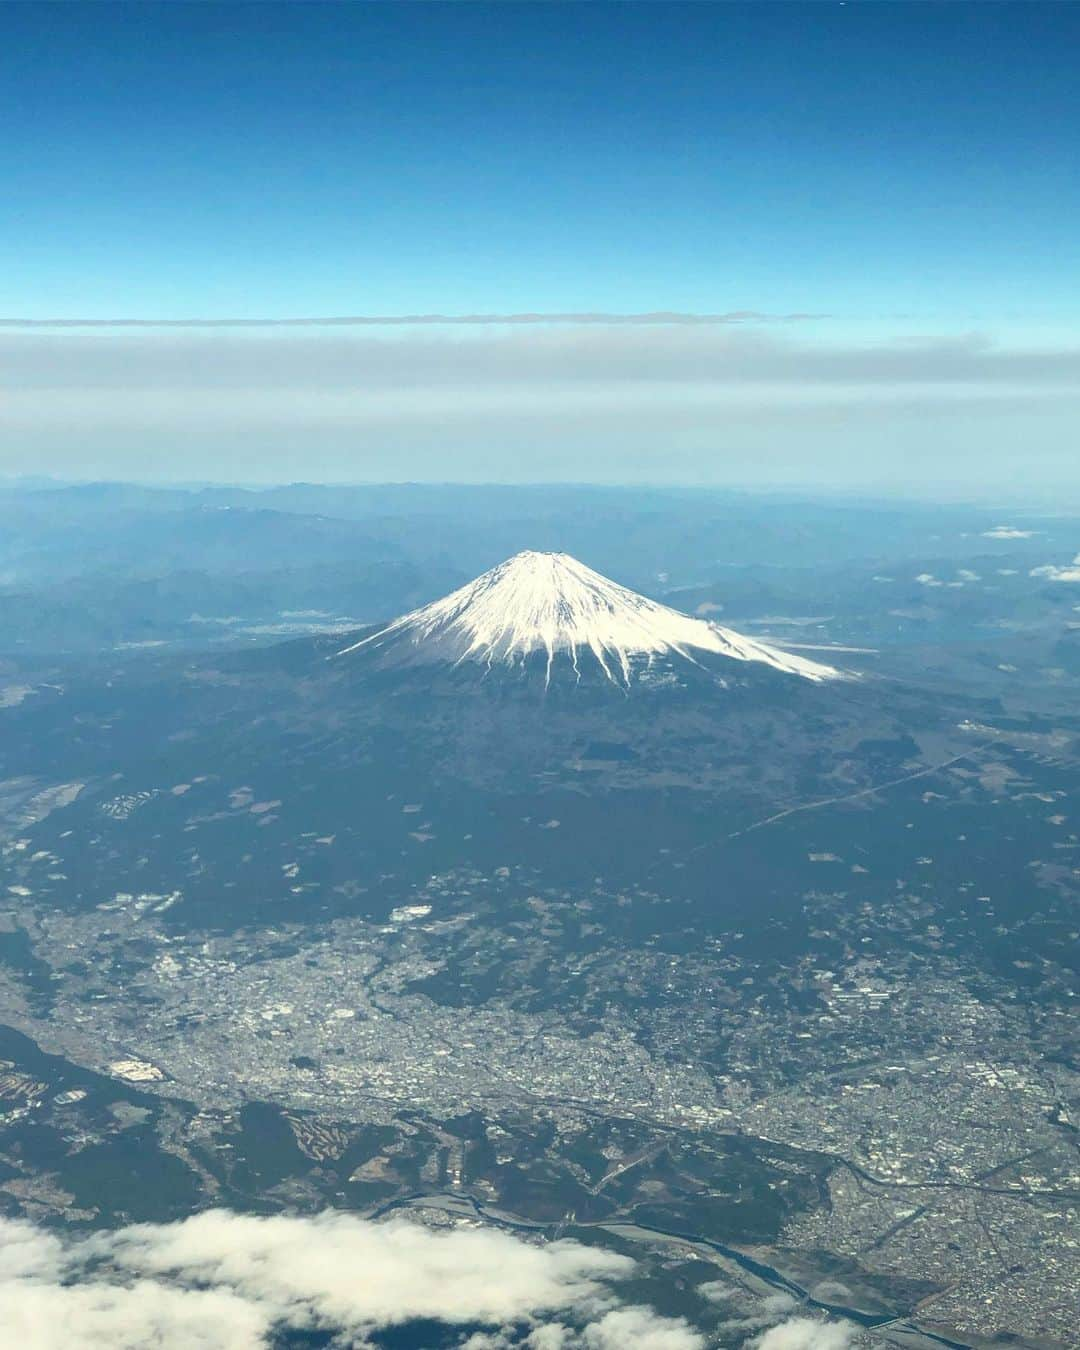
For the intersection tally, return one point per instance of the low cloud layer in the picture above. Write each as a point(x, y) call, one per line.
point(223, 1281)
point(599, 401)
point(573, 354)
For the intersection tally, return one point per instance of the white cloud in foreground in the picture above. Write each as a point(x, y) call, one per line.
point(806, 1333)
point(641, 1328)
point(776, 1320)
point(220, 1281)
point(1070, 572)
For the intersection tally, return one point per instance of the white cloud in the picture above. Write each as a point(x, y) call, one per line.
point(100, 1316)
point(1071, 572)
point(221, 1281)
point(407, 1271)
point(964, 575)
point(643, 1329)
point(552, 1336)
point(1007, 532)
point(832, 1291)
point(716, 1291)
point(806, 1333)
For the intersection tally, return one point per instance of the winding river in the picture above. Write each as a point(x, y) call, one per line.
point(768, 1274)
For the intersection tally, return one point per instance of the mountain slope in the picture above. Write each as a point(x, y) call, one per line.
point(552, 605)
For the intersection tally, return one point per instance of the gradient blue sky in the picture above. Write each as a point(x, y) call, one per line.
point(909, 172)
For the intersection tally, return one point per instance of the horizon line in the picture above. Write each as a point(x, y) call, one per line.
point(646, 318)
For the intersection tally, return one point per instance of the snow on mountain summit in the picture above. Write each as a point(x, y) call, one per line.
point(549, 603)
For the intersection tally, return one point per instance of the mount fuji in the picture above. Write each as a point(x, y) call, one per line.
point(541, 717)
point(548, 610)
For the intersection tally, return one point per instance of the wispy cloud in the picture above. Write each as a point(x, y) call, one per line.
point(652, 318)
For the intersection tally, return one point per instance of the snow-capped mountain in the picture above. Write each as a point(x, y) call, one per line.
point(542, 606)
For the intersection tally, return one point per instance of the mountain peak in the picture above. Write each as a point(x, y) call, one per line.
point(551, 603)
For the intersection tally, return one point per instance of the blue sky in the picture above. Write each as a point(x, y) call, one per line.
point(905, 172)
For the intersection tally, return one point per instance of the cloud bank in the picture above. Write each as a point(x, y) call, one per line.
point(223, 1281)
point(604, 402)
point(544, 358)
